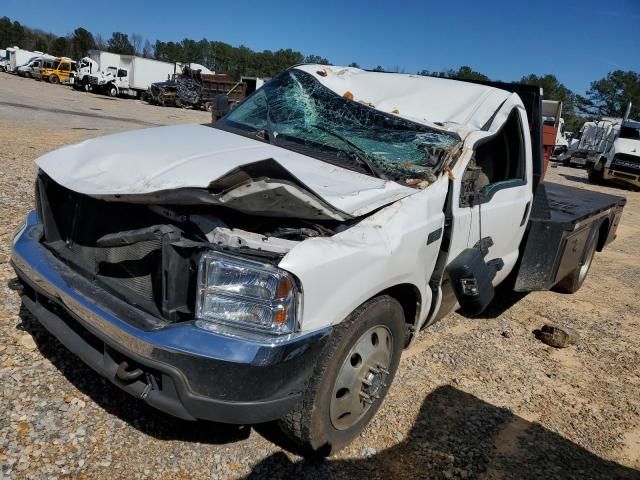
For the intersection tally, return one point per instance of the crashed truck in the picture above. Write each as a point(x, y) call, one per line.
point(274, 265)
point(200, 89)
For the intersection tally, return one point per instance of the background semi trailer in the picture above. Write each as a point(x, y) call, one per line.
point(274, 265)
point(592, 140)
point(19, 57)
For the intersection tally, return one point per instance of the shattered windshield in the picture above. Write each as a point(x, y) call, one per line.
point(295, 111)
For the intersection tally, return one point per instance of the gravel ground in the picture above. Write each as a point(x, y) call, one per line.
point(473, 398)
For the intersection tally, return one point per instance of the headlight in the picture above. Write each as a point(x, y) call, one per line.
point(245, 293)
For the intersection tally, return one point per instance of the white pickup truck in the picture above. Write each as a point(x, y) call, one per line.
point(275, 264)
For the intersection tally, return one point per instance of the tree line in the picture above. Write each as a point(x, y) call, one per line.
point(608, 96)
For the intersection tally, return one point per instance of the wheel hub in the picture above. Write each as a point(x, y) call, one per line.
point(362, 378)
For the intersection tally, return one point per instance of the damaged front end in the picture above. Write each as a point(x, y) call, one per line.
point(156, 255)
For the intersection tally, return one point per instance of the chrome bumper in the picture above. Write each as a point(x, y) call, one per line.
point(202, 374)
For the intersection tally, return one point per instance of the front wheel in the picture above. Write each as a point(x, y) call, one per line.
point(351, 379)
point(112, 91)
point(596, 173)
point(54, 79)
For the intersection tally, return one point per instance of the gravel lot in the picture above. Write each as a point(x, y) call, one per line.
point(474, 398)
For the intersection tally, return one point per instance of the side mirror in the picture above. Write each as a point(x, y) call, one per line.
point(471, 278)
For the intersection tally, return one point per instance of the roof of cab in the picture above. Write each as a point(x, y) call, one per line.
point(426, 100)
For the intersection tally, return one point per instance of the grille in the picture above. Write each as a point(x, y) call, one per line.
point(132, 267)
point(73, 226)
point(626, 163)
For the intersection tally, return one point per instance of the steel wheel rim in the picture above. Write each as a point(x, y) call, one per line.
point(584, 268)
point(362, 378)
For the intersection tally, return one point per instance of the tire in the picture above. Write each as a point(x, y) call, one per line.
point(566, 162)
point(572, 282)
point(596, 173)
point(370, 337)
point(112, 91)
point(54, 79)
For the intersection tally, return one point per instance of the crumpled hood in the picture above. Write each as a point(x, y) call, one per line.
point(193, 156)
point(628, 146)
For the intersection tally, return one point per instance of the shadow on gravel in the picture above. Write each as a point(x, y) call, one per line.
point(505, 298)
point(135, 412)
point(574, 178)
point(457, 435)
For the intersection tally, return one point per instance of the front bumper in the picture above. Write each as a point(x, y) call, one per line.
point(624, 177)
point(186, 371)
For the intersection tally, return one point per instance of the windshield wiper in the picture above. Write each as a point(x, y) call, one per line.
point(358, 152)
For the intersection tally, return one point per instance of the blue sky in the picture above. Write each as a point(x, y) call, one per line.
point(578, 41)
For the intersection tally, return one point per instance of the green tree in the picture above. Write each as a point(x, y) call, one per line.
point(316, 59)
point(354, 65)
point(61, 47)
point(463, 73)
point(609, 96)
point(119, 43)
point(82, 41)
point(553, 89)
point(379, 69)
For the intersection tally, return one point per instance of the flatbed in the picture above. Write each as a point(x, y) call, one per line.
point(563, 221)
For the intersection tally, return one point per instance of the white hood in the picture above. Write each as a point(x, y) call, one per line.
point(193, 156)
point(627, 145)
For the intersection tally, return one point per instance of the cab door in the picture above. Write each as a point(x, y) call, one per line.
point(501, 207)
point(64, 70)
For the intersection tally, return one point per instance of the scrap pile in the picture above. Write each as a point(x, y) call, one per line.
point(184, 90)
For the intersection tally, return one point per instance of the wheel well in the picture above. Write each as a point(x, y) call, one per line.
point(603, 233)
point(409, 298)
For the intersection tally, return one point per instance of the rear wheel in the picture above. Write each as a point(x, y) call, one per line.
point(351, 379)
point(54, 79)
point(572, 282)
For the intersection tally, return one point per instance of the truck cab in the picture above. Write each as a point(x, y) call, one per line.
point(59, 71)
point(621, 161)
point(84, 68)
point(275, 264)
point(111, 81)
point(27, 70)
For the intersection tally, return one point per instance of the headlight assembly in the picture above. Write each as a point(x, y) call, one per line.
point(247, 294)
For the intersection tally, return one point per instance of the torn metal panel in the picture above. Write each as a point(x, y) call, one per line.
point(237, 238)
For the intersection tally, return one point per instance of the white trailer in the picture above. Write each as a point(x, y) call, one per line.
point(19, 57)
point(4, 58)
point(132, 76)
point(104, 59)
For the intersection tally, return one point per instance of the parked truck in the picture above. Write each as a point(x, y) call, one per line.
point(84, 68)
point(92, 64)
point(275, 264)
point(592, 140)
point(620, 161)
point(131, 77)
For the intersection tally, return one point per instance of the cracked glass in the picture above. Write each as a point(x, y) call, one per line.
point(295, 111)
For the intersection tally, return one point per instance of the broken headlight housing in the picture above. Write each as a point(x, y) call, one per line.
point(247, 294)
